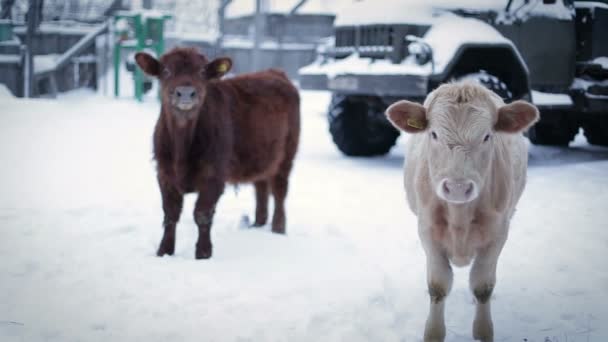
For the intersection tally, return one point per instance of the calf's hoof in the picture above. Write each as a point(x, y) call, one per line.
point(278, 223)
point(483, 330)
point(203, 251)
point(257, 224)
point(430, 336)
point(278, 230)
point(167, 247)
point(434, 331)
point(260, 220)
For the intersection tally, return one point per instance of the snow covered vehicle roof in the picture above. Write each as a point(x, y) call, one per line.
point(422, 12)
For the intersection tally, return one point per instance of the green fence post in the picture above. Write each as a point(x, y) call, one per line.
point(116, 69)
point(139, 77)
point(6, 30)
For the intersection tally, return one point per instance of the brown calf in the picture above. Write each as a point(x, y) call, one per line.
point(210, 131)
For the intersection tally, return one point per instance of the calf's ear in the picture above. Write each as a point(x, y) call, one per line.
point(407, 116)
point(218, 67)
point(147, 63)
point(516, 117)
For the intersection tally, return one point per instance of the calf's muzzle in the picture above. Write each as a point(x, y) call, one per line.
point(184, 97)
point(457, 190)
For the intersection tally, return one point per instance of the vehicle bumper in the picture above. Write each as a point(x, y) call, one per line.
point(378, 85)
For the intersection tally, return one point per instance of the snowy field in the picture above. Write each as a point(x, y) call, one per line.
point(80, 219)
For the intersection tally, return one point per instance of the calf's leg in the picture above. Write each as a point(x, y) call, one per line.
point(279, 191)
point(261, 203)
point(439, 281)
point(482, 280)
point(280, 185)
point(280, 181)
point(204, 211)
point(172, 208)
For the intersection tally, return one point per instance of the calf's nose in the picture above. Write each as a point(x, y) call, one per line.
point(185, 93)
point(458, 191)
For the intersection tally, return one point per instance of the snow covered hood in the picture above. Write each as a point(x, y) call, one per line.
point(422, 12)
point(447, 34)
point(450, 32)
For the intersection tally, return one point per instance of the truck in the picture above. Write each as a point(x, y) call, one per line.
point(553, 53)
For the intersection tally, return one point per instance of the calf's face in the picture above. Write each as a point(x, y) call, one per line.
point(460, 122)
point(184, 75)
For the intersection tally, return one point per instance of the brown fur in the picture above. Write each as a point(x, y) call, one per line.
point(246, 131)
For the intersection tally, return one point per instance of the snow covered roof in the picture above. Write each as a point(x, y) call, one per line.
point(239, 8)
point(366, 12)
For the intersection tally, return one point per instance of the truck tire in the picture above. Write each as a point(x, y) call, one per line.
point(558, 132)
point(358, 126)
point(491, 82)
point(596, 131)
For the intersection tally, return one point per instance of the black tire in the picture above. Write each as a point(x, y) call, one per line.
point(558, 132)
point(358, 126)
point(491, 82)
point(596, 131)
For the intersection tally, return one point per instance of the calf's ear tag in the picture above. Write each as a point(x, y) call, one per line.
point(222, 67)
point(416, 123)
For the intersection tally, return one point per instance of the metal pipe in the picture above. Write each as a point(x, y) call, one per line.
point(221, 16)
point(32, 20)
point(258, 36)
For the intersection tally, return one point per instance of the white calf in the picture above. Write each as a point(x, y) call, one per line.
point(464, 173)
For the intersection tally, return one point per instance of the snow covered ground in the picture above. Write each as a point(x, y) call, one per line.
point(80, 219)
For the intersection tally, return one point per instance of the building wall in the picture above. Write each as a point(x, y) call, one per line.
point(297, 28)
point(299, 36)
point(289, 59)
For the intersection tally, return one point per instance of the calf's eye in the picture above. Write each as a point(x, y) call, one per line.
point(486, 138)
point(166, 73)
point(434, 135)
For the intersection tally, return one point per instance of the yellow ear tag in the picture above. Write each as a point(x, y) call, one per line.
point(415, 123)
point(222, 67)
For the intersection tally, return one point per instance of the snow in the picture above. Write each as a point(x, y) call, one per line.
point(423, 12)
point(386, 12)
point(584, 84)
point(10, 59)
point(80, 218)
point(590, 4)
point(5, 93)
point(557, 10)
point(195, 19)
point(549, 99)
point(603, 61)
point(246, 43)
point(238, 8)
point(364, 66)
point(43, 63)
point(450, 32)
point(191, 36)
point(62, 27)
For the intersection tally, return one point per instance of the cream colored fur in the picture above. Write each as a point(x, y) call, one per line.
point(461, 115)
